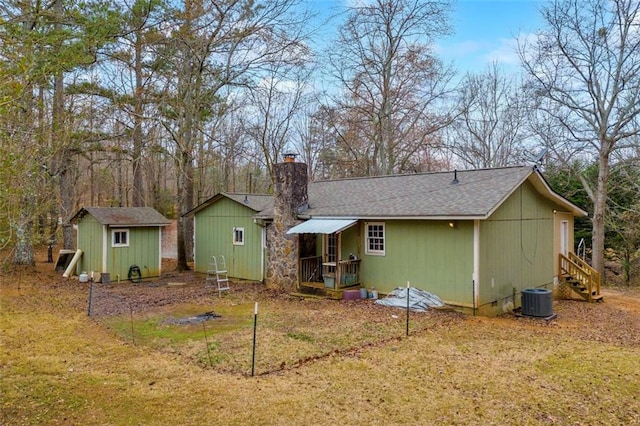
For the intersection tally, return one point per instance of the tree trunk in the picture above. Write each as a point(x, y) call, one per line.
point(24, 253)
point(185, 203)
point(139, 199)
point(64, 162)
point(599, 211)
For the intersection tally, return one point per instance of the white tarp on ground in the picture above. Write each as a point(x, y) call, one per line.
point(419, 300)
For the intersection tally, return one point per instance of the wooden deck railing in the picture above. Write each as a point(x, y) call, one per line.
point(349, 272)
point(311, 269)
point(582, 272)
point(345, 273)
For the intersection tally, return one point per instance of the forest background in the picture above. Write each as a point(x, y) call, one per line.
point(164, 104)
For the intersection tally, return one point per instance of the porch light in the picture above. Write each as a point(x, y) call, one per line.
point(452, 224)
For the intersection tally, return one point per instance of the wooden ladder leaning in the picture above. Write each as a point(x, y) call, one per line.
point(218, 272)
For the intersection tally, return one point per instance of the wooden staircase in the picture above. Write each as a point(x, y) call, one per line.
point(580, 277)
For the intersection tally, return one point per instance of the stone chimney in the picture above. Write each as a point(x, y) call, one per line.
point(290, 199)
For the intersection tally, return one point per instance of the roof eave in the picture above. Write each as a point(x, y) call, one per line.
point(438, 217)
point(215, 199)
point(540, 183)
point(136, 225)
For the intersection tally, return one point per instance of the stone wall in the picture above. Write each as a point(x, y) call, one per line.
point(283, 250)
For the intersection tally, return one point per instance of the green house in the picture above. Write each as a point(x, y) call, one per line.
point(474, 238)
point(224, 225)
point(116, 239)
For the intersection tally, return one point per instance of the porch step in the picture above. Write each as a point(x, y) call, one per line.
point(323, 292)
point(307, 295)
point(581, 289)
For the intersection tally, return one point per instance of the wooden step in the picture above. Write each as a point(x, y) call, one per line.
point(594, 297)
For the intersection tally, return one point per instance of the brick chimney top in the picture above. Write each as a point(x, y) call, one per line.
point(290, 157)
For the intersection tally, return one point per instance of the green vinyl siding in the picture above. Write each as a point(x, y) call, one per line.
point(349, 242)
point(214, 227)
point(143, 251)
point(516, 246)
point(90, 242)
point(429, 254)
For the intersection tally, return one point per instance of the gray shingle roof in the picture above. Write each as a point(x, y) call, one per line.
point(124, 216)
point(255, 202)
point(424, 195)
point(418, 195)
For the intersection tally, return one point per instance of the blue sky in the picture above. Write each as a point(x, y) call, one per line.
point(484, 30)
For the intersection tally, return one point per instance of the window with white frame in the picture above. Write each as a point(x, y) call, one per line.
point(374, 240)
point(120, 238)
point(238, 236)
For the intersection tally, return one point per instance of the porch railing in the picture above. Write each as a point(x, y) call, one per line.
point(311, 269)
point(345, 273)
point(349, 272)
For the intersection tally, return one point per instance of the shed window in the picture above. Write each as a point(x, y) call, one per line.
point(238, 236)
point(374, 243)
point(120, 238)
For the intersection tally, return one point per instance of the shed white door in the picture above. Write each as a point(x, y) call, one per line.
point(564, 237)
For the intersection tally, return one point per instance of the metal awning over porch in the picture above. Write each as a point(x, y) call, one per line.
point(322, 226)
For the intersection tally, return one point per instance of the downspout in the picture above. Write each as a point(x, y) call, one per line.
point(476, 264)
point(105, 241)
point(263, 248)
point(338, 280)
point(193, 244)
point(160, 229)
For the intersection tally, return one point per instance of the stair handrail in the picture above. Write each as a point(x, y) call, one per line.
point(592, 272)
point(582, 271)
point(582, 249)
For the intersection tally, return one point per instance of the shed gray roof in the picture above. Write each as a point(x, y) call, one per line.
point(476, 195)
point(255, 202)
point(124, 216)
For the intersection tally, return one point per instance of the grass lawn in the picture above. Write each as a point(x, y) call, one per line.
point(317, 361)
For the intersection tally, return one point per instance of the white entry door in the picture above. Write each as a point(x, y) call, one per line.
point(564, 237)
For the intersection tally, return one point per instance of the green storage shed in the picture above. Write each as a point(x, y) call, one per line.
point(224, 225)
point(115, 240)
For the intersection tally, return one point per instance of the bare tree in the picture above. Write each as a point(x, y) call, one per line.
point(310, 136)
point(490, 130)
point(273, 106)
point(585, 66)
point(213, 46)
point(391, 81)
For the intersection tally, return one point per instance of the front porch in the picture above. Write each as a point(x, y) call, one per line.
point(328, 279)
